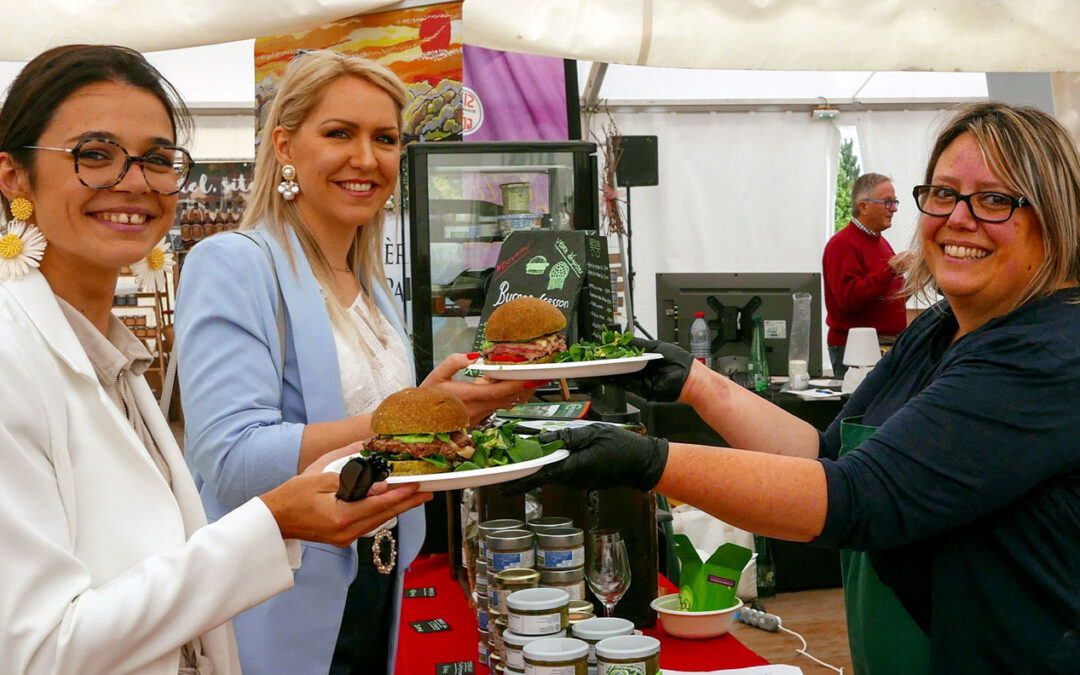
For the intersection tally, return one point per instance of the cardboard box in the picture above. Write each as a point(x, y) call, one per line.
point(711, 584)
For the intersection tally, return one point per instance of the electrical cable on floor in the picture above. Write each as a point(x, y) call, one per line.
point(806, 653)
point(756, 616)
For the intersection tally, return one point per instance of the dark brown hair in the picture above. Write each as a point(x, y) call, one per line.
point(53, 76)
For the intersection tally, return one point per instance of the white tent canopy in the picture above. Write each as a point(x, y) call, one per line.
point(37, 25)
point(958, 35)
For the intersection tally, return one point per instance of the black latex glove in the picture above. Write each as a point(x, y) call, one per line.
point(601, 456)
point(660, 380)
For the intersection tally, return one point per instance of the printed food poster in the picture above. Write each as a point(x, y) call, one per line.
point(421, 45)
point(569, 269)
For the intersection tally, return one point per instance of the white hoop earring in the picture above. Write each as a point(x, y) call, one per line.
point(288, 187)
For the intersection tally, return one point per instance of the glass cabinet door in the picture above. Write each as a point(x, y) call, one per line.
point(465, 204)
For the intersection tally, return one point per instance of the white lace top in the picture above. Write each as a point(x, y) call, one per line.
point(367, 380)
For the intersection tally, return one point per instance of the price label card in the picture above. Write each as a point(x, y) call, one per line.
point(430, 626)
point(456, 668)
point(426, 592)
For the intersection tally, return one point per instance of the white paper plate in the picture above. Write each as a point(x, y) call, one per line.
point(826, 383)
point(567, 370)
point(440, 482)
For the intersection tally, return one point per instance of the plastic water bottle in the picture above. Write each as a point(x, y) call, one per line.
point(758, 368)
point(699, 339)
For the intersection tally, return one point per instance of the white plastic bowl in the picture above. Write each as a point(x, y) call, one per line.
point(693, 625)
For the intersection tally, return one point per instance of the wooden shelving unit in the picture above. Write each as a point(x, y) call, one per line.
point(148, 318)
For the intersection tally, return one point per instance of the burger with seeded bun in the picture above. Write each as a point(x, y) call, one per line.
point(524, 330)
point(421, 430)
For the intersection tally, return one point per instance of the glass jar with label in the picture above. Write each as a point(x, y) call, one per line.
point(481, 573)
point(572, 581)
point(489, 526)
point(498, 627)
point(594, 630)
point(513, 644)
point(556, 656)
point(560, 548)
point(482, 647)
point(626, 653)
point(509, 548)
point(508, 581)
point(482, 615)
point(537, 611)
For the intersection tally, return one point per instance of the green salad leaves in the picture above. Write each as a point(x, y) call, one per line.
point(612, 346)
point(500, 446)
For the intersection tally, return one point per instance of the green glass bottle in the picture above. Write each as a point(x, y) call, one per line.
point(758, 368)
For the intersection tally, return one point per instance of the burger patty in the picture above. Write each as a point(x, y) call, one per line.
point(530, 351)
point(460, 446)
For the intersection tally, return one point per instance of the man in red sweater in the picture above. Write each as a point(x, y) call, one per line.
point(861, 289)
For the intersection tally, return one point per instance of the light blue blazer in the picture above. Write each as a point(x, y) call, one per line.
point(244, 419)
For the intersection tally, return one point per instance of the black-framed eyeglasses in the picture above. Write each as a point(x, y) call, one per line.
point(989, 207)
point(889, 203)
point(101, 163)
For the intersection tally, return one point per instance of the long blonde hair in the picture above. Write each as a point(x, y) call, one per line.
point(299, 92)
point(1035, 157)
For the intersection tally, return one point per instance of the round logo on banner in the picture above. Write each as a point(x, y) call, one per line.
point(472, 112)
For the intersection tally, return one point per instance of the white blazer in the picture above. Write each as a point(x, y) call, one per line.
point(103, 568)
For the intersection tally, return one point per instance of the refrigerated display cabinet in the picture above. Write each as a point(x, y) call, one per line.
point(463, 199)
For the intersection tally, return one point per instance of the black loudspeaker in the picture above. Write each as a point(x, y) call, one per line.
point(637, 163)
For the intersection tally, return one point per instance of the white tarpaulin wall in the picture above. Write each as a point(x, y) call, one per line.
point(752, 192)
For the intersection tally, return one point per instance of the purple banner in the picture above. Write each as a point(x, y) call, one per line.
point(512, 97)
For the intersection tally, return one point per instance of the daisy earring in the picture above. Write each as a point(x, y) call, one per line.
point(22, 244)
point(288, 187)
point(150, 271)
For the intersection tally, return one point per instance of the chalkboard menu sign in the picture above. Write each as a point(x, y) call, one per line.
point(568, 269)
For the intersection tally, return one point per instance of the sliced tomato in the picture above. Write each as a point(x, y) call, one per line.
point(513, 358)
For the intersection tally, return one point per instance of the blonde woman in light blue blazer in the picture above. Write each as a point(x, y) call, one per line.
point(273, 325)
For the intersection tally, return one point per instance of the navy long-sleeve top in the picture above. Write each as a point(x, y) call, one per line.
point(968, 495)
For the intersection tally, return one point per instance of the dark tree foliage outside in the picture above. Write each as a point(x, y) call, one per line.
point(849, 171)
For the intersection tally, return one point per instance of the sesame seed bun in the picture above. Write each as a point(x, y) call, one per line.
point(523, 319)
point(419, 410)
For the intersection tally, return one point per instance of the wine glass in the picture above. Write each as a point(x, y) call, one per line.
point(608, 568)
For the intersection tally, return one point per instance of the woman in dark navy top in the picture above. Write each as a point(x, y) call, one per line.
point(964, 483)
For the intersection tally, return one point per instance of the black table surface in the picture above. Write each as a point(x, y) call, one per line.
point(798, 566)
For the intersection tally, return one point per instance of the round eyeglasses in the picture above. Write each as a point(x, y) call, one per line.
point(989, 207)
point(101, 163)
